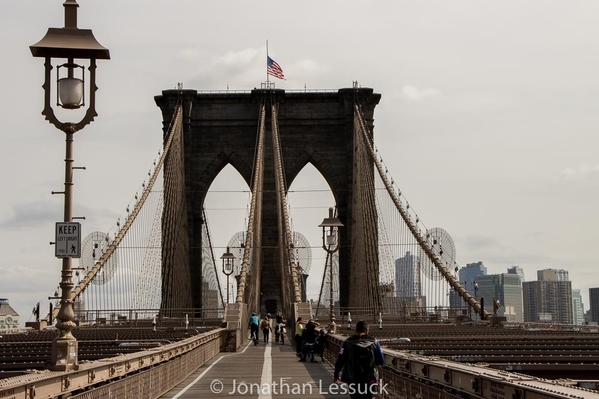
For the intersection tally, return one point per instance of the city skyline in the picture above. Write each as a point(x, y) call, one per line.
point(487, 120)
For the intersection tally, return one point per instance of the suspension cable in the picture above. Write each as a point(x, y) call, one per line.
point(424, 245)
point(175, 126)
point(252, 219)
point(282, 199)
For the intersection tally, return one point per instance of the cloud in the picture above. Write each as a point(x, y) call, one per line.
point(233, 60)
point(247, 59)
point(480, 242)
point(416, 94)
point(209, 72)
point(238, 70)
point(580, 173)
point(310, 66)
point(239, 58)
point(497, 255)
point(27, 215)
point(14, 281)
point(32, 214)
point(189, 54)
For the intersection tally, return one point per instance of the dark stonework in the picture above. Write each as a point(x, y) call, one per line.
point(221, 129)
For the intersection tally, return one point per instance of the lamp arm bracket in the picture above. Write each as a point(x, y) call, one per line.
point(69, 127)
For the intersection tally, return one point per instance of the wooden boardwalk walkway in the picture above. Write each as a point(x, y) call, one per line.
point(265, 371)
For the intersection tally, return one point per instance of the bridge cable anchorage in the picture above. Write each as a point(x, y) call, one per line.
point(423, 244)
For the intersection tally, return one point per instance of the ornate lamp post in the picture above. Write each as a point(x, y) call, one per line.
point(228, 260)
point(330, 243)
point(70, 44)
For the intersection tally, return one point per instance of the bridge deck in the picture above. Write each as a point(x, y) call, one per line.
point(263, 371)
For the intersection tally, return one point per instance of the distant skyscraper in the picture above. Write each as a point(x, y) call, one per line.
point(552, 275)
point(548, 299)
point(505, 288)
point(594, 303)
point(407, 282)
point(407, 276)
point(466, 276)
point(517, 270)
point(577, 308)
point(472, 270)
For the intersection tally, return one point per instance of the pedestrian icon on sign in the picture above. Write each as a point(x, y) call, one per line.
point(73, 249)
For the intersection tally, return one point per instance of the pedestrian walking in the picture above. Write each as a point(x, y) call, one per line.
point(309, 336)
point(357, 362)
point(266, 328)
point(282, 332)
point(299, 329)
point(253, 325)
point(278, 328)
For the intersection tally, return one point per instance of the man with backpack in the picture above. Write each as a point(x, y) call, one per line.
point(357, 362)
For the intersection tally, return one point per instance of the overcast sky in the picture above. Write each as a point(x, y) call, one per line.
point(488, 118)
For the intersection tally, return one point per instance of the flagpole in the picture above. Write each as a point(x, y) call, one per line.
point(267, 79)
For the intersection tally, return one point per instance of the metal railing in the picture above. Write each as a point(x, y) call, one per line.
point(147, 374)
point(407, 375)
point(145, 317)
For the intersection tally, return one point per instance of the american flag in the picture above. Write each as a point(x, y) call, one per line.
point(274, 69)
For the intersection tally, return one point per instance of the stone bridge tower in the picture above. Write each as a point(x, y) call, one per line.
point(221, 129)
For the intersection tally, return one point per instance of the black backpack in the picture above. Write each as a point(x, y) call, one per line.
point(361, 365)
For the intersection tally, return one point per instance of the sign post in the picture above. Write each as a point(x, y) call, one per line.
point(68, 240)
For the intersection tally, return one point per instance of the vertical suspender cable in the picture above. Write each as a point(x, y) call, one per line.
point(413, 229)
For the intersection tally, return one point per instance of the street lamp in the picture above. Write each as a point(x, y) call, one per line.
point(70, 44)
point(476, 292)
point(330, 243)
point(348, 320)
point(228, 260)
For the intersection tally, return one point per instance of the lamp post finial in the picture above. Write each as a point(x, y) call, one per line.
point(70, 14)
